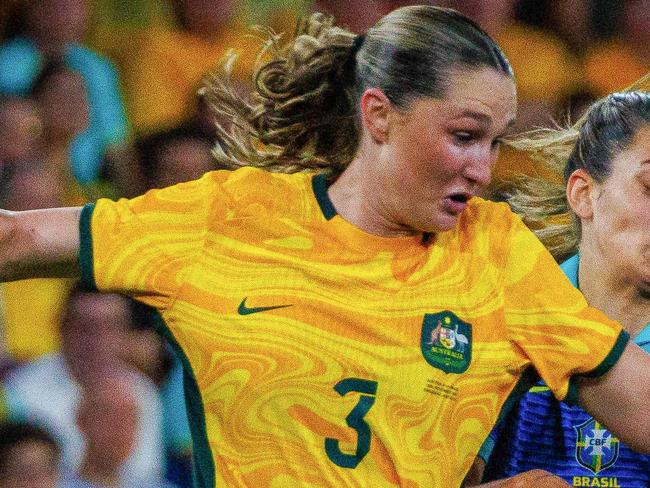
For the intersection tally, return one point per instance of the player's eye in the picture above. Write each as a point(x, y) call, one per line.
point(496, 142)
point(463, 137)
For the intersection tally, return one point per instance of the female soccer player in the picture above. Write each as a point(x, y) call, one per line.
point(357, 316)
point(607, 194)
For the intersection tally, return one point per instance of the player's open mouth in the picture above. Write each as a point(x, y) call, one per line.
point(459, 197)
point(456, 202)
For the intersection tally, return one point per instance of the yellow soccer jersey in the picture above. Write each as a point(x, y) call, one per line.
point(321, 356)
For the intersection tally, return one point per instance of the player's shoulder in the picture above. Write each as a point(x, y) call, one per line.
point(250, 192)
point(229, 194)
point(249, 179)
point(488, 208)
point(485, 217)
point(236, 184)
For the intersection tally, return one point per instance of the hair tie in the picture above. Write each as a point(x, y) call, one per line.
point(346, 75)
point(357, 43)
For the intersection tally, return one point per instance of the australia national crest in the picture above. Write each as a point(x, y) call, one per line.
point(596, 447)
point(446, 342)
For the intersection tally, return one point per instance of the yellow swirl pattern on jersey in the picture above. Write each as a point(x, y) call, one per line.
point(276, 301)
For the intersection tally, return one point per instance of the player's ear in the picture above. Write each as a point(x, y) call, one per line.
point(375, 114)
point(581, 191)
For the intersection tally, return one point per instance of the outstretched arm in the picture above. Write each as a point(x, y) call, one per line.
point(529, 479)
point(39, 243)
point(620, 398)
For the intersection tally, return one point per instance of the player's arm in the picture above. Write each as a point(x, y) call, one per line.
point(475, 473)
point(620, 398)
point(39, 243)
point(530, 479)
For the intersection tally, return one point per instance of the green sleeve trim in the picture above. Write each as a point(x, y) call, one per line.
point(319, 185)
point(86, 265)
point(610, 360)
point(571, 397)
point(527, 379)
point(486, 449)
point(203, 473)
point(613, 356)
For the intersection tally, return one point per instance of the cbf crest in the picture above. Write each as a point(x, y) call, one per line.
point(446, 342)
point(596, 447)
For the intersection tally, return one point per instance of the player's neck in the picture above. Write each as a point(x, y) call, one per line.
point(360, 200)
point(607, 289)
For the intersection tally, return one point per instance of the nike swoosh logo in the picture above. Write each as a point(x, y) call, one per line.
point(244, 310)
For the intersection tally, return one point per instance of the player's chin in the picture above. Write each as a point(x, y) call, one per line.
point(433, 228)
point(442, 223)
point(434, 221)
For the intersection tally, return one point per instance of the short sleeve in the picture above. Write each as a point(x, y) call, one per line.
point(550, 322)
point(144, 247)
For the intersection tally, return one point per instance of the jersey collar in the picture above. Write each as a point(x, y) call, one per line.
point(319, 185)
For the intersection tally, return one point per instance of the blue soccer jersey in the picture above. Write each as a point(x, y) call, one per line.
point(542, 433)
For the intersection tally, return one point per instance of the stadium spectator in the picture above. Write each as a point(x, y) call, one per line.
point(146, 351)
point(54, 29)
point(95, 337)
point(61, 95)
point(279, 15)
point(179, 157)
point(107, 417)
point(571, 20)
point(7, 9)
point(21, 130)
point(114, 23)
point(618, 61)
point(165, 66)
point(182, 153)
point(356, 16)
point(29, 457)
point(176, 429)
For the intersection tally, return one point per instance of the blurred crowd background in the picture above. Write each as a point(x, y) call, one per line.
point(98, 98)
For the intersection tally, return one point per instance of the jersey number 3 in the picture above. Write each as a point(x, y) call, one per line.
point(368, 390)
